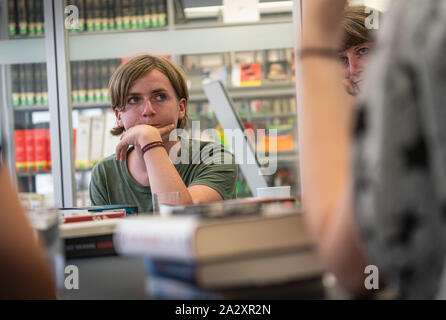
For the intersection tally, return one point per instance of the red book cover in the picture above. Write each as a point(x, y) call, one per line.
point(30, 147)
point(20, 150)
point(41, 150)
point(48, 148)
point(92, 217)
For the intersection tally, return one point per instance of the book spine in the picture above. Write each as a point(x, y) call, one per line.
point(97, 69)
point(82, 79)
point(162, 13)
point(126, 10)
point(38, 83)
point(32, 16)
point(41, 149)
point(90, 11)
point(74, 82)
point(22, 17)
point(93, 217)
point(133, 14)
point(171, 269)
point(29, 83)
point(97, 16)
point(105, 75)
point(147, 18)
point(82, 15)
point(20, 150)
point(40, 25)
point(22, 84)
point(154, 9)
point(48, 147)
point(90, 80)
point(12, 17)
point(119, 21)
point(44, 84)
point(110, 5)
point(104, 15)
point(163, 238)
point(15, 70)
point(162, 288)
point(89, 246)
point(30, 149)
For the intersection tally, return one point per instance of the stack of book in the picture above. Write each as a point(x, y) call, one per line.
point(260, 251)
point(88, 231)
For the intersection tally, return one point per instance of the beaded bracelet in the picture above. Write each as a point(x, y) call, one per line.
point(152, 145)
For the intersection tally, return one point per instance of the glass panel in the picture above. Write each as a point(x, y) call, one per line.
point(92, 119)
point(193, 12)
point(29, 108)
point(25, 18)
point(262, 87)
point(118, 15)
point(26, 105)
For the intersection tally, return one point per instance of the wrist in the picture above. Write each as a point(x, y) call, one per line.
point(312, 37)
point(148, 138)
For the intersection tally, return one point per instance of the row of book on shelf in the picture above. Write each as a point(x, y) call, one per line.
point(33, 148)
point(89, 81)
point(26, 18)
point(245, 248)
point(97, 15)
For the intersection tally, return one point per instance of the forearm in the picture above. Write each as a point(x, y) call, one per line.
point(326, 140)
point(163, 175)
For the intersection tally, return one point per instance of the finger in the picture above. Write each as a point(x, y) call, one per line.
point(166, 129)
point(124, 153)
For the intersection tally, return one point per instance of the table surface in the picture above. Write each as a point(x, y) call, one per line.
point(123, 278)
point(109, 277)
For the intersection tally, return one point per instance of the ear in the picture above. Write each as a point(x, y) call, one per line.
point(182, 108)
point(118, 118)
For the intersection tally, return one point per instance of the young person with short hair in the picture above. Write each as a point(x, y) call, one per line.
point(149, 96)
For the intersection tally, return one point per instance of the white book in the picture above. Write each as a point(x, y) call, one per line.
point(191, 238)
point(83, 142)
point(97, 138)
point(110, 141)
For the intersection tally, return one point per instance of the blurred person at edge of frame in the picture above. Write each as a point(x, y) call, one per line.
point(360, 24)
point(24, 270)
point(374, 177)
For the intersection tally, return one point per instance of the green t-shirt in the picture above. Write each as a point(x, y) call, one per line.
point(199, 163)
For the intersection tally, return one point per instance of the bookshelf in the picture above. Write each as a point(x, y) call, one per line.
point(181, 35)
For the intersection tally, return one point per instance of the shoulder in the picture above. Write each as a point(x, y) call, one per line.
point(105, 165)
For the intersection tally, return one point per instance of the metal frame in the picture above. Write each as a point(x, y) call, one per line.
point(222, 106)
point(6, 118)
point(59, 104)
point(297, 27)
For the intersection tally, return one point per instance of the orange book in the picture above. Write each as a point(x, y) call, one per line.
point(251, 74)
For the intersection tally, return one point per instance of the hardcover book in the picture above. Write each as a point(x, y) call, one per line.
point(194, 237)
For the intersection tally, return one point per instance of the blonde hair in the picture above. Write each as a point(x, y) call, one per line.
point(123, 78)
point(355, 30)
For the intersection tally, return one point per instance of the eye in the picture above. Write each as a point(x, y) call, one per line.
point(160, 97)
point(363, 51)
point(133, 100)
point(343, 60)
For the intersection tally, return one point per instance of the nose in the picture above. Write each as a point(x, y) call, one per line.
point(354, 67)
point(148, 109)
